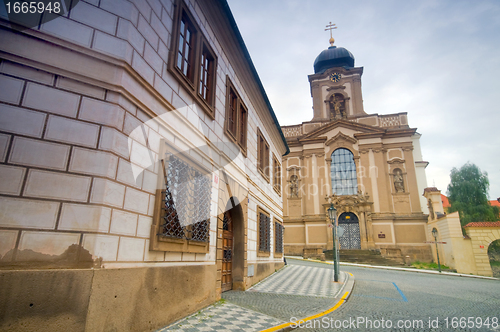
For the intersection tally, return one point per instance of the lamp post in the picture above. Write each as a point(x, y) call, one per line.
point(435, 233)
point(332, 214)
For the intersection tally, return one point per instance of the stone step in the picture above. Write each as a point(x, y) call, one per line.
point(359, 252)
point(370, 257)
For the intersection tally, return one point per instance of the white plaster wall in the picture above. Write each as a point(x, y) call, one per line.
point(85, 183)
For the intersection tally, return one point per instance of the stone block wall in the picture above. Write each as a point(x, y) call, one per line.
point(77, 177)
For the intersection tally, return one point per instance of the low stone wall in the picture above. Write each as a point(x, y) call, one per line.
point(314, 253)
point(407, 254)
point(294, 250)
point(134, 299)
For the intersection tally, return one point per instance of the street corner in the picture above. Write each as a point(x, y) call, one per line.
point(297, 322)
point(343, 290)
point(349, 282)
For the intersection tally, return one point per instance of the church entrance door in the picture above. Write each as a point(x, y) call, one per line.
point(227, 249)
point(351, 238)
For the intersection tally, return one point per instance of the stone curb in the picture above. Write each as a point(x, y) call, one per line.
point(347, 287)
point(397, 268)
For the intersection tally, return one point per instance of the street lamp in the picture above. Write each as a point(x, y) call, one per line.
point(435, 233)
point(332, 214)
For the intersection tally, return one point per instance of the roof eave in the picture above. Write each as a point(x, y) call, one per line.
point(233, 24)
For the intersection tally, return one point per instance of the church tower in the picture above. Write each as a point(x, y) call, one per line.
point(368, 165)
point(336, 84)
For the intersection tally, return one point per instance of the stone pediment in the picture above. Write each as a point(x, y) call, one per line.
point(340, 137)
point(396, 161)
point(344, 124)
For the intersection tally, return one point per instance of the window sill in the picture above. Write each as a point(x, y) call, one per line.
point(263, 254)
point(266, 177)
point(163, 243)
point(189, 88)
point(233, 140)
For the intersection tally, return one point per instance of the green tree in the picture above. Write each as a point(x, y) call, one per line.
point(467, 193)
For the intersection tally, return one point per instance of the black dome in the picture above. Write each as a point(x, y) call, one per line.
point(333, 57)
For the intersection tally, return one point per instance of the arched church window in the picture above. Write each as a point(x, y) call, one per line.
point(337, 107)
point(343, 173)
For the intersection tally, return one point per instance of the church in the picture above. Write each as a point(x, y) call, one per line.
point(369, 166)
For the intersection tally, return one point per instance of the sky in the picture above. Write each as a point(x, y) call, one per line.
point(437, 60)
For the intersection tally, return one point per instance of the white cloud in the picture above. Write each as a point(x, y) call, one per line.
point(437, 60)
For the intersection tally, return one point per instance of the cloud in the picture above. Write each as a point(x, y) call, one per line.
point(437, 60)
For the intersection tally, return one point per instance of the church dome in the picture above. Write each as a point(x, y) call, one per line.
point(333, 56)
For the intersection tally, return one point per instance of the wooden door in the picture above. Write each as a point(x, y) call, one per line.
point(227, 248)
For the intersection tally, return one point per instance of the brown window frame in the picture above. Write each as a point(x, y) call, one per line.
point(188, 72)
point(276, 175)
point(278, 227)
point(236, 122)
point(263, 249)
point(263, 153)
point(169, 243)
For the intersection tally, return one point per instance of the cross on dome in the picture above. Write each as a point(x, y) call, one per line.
point(331, 27)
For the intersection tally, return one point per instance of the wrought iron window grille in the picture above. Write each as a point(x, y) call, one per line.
point(264, 232)
point(278, 243)
point(185, 202)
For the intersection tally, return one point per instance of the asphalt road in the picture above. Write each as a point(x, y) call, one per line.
point(384, 300)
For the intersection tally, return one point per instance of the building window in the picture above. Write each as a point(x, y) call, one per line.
point(182, 210)
point(206, 83)
point(236, 117)
point(343, 173)
point(262, 155)
point(264, 233)
point(192, 60)
point(186, 47)
point(276, 175)
point(278, 238)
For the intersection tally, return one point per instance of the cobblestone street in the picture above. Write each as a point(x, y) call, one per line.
point(297, 290)
point(415, 300)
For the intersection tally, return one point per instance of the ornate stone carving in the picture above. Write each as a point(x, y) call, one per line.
point(337, 107)
point(398, 181)
point(341, 137)
point(396, 160)
point(350, 203)
point(292, 131)
point(389, 121)
point(294, 186)
point(431, 209)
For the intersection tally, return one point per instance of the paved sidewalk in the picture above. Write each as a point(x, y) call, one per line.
point(294, 291)
point(394, 268)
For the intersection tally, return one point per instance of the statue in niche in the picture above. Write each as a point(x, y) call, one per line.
point(431, 208)
point(337, 107)
point(294, 186)
point(398, 181)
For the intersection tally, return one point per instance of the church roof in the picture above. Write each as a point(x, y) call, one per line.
point(361, 128)
point(495, 202)
point(333, 56)
point(446, 202)
point(483, 224)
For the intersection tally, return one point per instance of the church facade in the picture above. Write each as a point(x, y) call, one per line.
point(369, 166)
